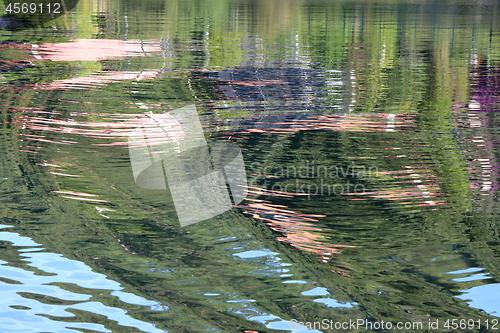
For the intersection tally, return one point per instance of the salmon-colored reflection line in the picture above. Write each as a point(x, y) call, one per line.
point(94, 49)
point(299, 229)
point(76, 193)
point(368, 122)
point(63, 174)
point(83, 199)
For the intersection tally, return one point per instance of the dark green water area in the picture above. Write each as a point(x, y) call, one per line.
point(370, 138)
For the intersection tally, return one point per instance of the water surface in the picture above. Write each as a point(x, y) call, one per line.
point(369, 135)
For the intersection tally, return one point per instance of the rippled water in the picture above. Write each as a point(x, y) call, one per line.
point(369, 136)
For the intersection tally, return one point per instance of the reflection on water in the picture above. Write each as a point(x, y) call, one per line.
point(43, 289)
point(37, 296)
point(483, 297)
point(272, 261)
point(369, 134)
